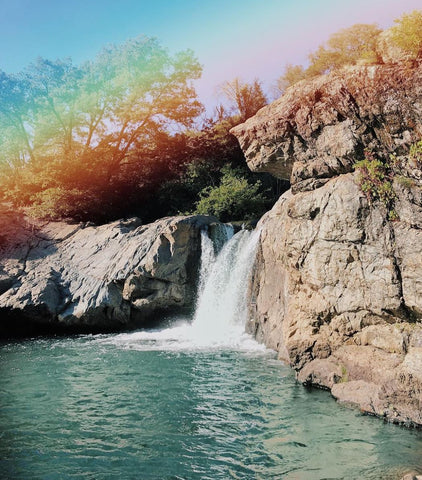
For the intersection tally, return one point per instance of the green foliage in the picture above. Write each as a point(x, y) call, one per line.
point(233, 199)
point(92, 128)
point(376, 177)
point(376, 182)
point(407, 33)
point(58, 203)
point(393, 216)
point(356, 45)
point(203, 159)
point(345, 47)
point(350, 46)
point(415, 155)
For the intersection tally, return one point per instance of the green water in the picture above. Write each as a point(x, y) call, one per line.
point(138, 407)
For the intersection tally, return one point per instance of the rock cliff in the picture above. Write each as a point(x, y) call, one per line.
point(81, 277)
point(337, 287)
point(318, 128)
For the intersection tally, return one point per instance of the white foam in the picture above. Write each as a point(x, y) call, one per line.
point(183, 338)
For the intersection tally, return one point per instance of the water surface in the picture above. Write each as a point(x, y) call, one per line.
point(121, 406)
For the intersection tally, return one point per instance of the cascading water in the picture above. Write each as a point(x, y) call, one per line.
point(221, 310)
point(221, 306)
point(210, 248)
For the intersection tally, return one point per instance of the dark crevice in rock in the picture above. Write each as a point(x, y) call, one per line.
point(404, 311)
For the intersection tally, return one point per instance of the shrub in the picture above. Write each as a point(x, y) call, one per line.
point(407, 33)
point(58, 204)
point(376, 181)
point(415, 154)
point(234, 199)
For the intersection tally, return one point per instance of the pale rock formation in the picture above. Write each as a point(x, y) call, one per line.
point(83, 276)
point(319, 128)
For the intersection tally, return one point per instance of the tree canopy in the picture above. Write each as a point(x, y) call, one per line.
point(292, 74)
point(345, 47)
point(356, 44)
point(407, 33)
point(71, 128)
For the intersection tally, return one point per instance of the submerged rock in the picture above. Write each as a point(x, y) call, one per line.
point(337, 287)
point(58, 275)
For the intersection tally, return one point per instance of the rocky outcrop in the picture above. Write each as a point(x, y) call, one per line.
point(319, 128)
point(83, 277)
point(337, 287)
point(337, 291)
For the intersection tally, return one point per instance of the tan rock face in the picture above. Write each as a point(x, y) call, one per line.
point(117, 274)
point(337, 288)
point(319, 128)
point(337, 292)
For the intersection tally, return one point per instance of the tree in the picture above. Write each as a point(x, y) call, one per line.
point(245, 98)
point(407, 33)
point(15, 113)
point(292, 74)
point(74, 128)
point(345, 47)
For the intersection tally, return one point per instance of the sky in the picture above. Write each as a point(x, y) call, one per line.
point(231, 38)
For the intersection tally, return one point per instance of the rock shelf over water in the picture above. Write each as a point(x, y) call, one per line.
point(84, 277)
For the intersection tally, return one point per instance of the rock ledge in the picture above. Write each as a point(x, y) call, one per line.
point(86, 278)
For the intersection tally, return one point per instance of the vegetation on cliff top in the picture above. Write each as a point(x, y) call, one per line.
point(119, 135)
point(357, 44)
point(101, 140)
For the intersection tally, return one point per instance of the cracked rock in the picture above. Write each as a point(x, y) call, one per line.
point(84, 277)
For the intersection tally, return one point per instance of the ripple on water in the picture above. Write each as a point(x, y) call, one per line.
point(95, 407)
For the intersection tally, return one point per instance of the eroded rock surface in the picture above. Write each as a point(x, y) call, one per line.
point(319, 128)
point(337, 291)
point(123, 273)
point(337, 287)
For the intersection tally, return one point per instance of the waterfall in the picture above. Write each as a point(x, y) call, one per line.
point(221, 306)
point(209, 250)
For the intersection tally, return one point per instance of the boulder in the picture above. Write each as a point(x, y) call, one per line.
point(85, 277)
point(320, 127)
point(336, 290)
